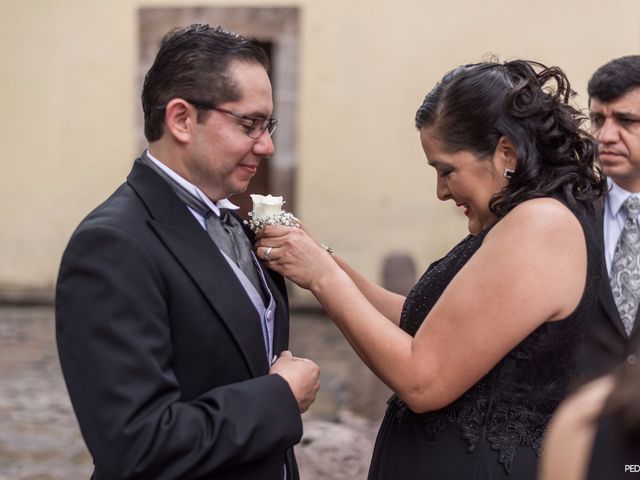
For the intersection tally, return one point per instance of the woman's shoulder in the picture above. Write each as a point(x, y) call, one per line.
point(579, 412)
point(545, 208)
point(539, 217)
point(570, 435)
point(587, 402)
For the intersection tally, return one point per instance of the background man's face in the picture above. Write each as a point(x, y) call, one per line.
point(616, 127)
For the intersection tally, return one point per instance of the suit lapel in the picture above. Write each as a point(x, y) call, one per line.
point(281, 326)
point(276, 284)
point(604, 295)
point(608, 304)
point(636, 326)
point(201, 258)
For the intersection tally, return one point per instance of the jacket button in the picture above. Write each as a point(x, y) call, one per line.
point(631, 359)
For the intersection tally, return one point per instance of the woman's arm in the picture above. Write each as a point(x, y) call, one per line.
point(386, 302)
point(530, 269)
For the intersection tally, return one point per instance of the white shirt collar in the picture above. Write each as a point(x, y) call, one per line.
point(191, 188)
point(616, 197)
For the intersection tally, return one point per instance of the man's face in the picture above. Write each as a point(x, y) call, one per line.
point(616, 127)
point(223, 158)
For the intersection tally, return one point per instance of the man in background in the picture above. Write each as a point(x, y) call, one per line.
point(613, 331)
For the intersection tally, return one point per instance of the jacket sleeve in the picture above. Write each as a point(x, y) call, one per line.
point(115, 348)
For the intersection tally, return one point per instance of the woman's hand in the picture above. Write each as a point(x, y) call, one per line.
point(293, 253)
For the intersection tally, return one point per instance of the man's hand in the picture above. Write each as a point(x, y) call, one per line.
point(301, 374)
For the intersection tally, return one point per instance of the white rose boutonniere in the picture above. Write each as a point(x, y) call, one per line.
point(267, 210)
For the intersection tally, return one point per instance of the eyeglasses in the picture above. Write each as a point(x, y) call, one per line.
point(254, 126)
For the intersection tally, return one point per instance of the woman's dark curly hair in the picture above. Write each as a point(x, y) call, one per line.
point(528, 103)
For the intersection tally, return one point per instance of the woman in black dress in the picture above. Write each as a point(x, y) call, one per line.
point(480, 352)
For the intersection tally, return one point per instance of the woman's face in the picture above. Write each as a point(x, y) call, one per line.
point(470, 181)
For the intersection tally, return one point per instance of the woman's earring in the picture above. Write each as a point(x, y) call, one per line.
point(508, 172)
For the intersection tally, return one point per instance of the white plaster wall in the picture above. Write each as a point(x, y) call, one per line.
point(69, 104)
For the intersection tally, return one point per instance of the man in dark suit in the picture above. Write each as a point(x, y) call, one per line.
point(613, 330)
point(172, 337)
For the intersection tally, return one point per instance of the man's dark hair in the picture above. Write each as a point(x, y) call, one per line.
point(192, 64)
point(473, 106)
point(615, 78)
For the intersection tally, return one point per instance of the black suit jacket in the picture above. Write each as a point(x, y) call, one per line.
point(606, 345)
point(162, 350)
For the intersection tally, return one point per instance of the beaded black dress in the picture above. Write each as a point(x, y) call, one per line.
point(494, 430)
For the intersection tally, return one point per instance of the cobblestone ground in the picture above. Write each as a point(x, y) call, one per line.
point(39, 436)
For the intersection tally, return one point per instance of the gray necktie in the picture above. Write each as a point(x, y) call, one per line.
point(225, 231)
point(625, 268)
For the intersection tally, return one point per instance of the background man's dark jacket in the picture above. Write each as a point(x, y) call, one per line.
point(606, 345)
